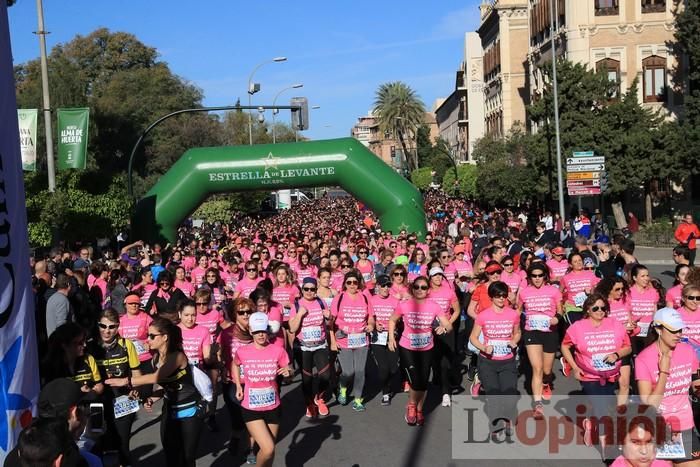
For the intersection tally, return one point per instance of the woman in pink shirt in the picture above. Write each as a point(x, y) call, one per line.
point(673, 295)
point(97, 281)
point(417, 265)
point(133, 325)
point(304, 268)
point(601, 343)
point(216, 287)
point(383, 307)
point(145, 285)
point(249, 282)
point(557, 264)
point(196, 341)
point(639, 444)
point(199, 272)
point(365, 266)
point(500, 326)
point(511, 277)
point(644, 301)
point(416, 344)
point(575, 286)
point(284, 288)
point(260, 396)
point(690, 312)
point(666, 371)
point(182, 283)
point(399, 283)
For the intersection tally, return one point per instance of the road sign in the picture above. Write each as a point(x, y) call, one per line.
point(585, 168)
point(584, 154)
point(584, 191)
point(581, 183)
point(582, 175)
point(585, 160)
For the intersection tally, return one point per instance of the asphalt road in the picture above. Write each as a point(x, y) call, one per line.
point(376, 437)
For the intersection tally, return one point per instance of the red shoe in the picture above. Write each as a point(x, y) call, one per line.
point(539, 411)
point(547, 392)
point(321, 406)
point(406, 386)
point(420, 419)
point(565, 367)
point(411, 416)
point(587, 432)
point(311, 411)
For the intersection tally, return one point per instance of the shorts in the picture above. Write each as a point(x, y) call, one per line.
point(270, 417)
point(690, 450)
point(548, 340)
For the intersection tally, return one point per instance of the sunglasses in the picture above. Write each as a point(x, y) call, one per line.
point(353, 282)
point(444, 257)
point(201, 303)
point(493, 272)
point(265, 253)
point(246, 311)
point(363, 252)
point(309, 289)
point(589, 268)
point(252, 269)
point(500, 296)
point(111, 327)
point(384, 285)
point(695, 298)
point(344, 265)
point(599, 308)
point(677, 331)
point(507, 264)
point(420, 287)
point(153, 336)
point(211, 275)
point(397, 274)
point(535, 276)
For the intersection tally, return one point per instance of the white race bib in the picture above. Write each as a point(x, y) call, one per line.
point(286, 311)
point(140, 348)
point(538, 322)
point(366, 277)
point(261, 397)
point(643, 329)
point(421, 340)
point(311, 335)
point(356, 340)
point(600, 364)
point(579, 298)
point(672, 449)
point(123, 406)
point(382, 338)
point(500, 348)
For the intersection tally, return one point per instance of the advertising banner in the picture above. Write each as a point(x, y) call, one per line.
point(72, 138)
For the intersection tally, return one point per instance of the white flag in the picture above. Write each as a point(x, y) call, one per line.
point(27, 137)
point(19, 375)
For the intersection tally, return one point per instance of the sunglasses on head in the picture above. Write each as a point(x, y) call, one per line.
point(420, 287)
point(309, 289)
point(111, 327)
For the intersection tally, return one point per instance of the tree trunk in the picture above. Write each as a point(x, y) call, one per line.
point(409, 165)
point(647, 208)
point(619, 213)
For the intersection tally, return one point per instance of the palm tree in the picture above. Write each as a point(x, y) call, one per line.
point(400, 112)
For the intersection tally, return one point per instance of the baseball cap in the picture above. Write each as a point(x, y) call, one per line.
point(309, 280)
point(435, 271)
point(80, 264)
point(57, 397)
point(132, 299)
point(587, 262)
point(258, 322)
point(558, 251)
point(493, 268)
point(669, 318)
point(459, 249)
point(383, 280)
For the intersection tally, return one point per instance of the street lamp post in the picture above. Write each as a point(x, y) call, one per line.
point(252, 89)
point(555, 90)
point(275, 110)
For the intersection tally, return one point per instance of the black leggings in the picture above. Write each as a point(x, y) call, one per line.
point(416, 366)
point(233, 406)
point(499, 380)
point(445, 360)
point(319, 359)
point(180, 439)
point(118, 434)
point(388, 365)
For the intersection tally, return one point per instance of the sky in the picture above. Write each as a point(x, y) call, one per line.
point(340, 50)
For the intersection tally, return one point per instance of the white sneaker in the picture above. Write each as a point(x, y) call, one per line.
point(446, 400)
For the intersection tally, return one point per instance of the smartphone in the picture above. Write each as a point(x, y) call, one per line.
point(97, 418)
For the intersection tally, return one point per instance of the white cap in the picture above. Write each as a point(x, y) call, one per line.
point(669, 318)
point(258, 322)
point(435, 271)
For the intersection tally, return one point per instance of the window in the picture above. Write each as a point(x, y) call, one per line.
point(654, 69)
point(612, 69)
point(607, 7)
point(653, 6)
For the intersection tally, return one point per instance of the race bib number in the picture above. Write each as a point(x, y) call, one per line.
point(366, 277)
point(600, 364)
point(241, 370)
point(500, 348)
point(382, 338)
point(672, 449)
point(286, 311)
point(356, 340)
point(538, 322)
point(123, 406)
point(579, 298)
point(140, 348)
point(311, 335)
point(643, 329)
point(420, 341)
point(261, 397)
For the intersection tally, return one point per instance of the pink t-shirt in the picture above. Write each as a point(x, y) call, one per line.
point(383, 308)
point(418, 321)
point(366, 268)
point(275, 313)
point(210, 320)
point(691, 319)
point(229, 345)
point(462, 268)
point(620, 311)
point(675, 405)
point(643, 305)
point(575, 284)
point(450, 273)
point(146, 292)
point(309, 271)
point(399, 291)
point(135, 328)
point(186, 287)
point(285, 295)
point(193, 341)
point(674, 295)
point(337, 278)
point(497, 328)
point(444, 298)
point(557, 268)
point(351, 315)
point(539, 305)
point(245, 286)
point(260, 375)
point(198, 276)
point(312, 331)
point(594, 343)
point(512, 280)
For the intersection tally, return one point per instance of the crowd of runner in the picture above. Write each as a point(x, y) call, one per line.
point(237, 310)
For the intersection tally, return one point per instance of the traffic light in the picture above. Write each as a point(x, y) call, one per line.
point(300, 117)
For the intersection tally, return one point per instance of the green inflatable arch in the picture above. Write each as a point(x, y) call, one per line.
point(344, 162)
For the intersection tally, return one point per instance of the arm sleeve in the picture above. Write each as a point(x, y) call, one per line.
point(93, 369)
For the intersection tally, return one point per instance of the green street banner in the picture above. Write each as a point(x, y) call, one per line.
point(27, 137)
point(72, 138)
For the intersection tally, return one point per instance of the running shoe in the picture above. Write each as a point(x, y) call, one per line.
point(420, 419)
point(311, 411)
point(411, 416)
point(476, 387)
point(343, 396)
point(406, 386)
point(587, 432)
point(321, 406)
point(538, 408)
point(547, 392)
point(251, 458)
point(446, 400)
point(357, 405)
point(471, 372)
point(565, 367)
point(386, 399)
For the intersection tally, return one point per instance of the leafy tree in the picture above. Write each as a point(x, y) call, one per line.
point(465, 183)
point(400, 112)
point(422, 178)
